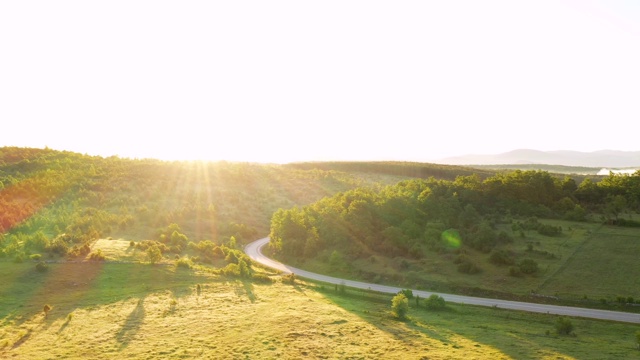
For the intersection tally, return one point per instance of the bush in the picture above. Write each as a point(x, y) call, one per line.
point(564, 326)
point(466, 266)
point(77, 251)
point(35, 257)
point(435, 302)
point(400, 306)
point(528, 266)
point(501, 257)
point(231, 270)
point(184, 262)
point(97, 256)
point(408, 293)
point(549, 230)
point(262, 278)
point(42, 266)
point(289, 279)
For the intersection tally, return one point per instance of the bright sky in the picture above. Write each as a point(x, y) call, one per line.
point(280, 81)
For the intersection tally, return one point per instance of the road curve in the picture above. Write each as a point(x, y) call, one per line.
point(254, 251)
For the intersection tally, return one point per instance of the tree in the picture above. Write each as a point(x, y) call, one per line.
point(614, 205)
point(154, 254)
point(400, 306)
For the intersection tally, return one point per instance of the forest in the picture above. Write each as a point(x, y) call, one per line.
point(472, 224)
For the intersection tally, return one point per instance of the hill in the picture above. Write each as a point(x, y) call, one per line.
point(52, 201)
point(596, 159)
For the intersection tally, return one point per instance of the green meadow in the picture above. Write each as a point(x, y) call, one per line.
point(144, 311)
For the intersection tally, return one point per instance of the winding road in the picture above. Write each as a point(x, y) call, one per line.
point(254, 251)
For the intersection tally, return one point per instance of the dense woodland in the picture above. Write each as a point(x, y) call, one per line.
point(417, 217)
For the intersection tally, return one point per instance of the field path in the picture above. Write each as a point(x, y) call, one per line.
point(254, 251)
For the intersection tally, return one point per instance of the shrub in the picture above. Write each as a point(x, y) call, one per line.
point(501, 257)
point(261, 278)
point(466, 266)
point(42, 266)
point(245, 270)
point(564, 326)
point(231, 270)
point(400, 306)
point(35, 257)
point(97, 256)
point(435, 302)
point(19, 258)
point(184, 262)
point(289, 279)
point(528, 266)
point(549, 230)
point(77, 251)
point(132, 243)
point(408, 293)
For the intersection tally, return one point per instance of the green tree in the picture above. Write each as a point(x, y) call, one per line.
point(154, 254)
point(400, 306)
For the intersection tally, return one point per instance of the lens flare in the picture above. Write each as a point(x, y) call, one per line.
point(451, 238)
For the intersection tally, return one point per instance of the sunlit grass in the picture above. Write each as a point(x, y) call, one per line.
point(157, 313)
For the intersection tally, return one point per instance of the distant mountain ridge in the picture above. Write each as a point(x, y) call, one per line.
point(601, 158)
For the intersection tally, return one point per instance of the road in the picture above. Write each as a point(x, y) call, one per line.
point(254, 251)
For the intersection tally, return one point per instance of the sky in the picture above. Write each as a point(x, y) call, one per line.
point(284, 81)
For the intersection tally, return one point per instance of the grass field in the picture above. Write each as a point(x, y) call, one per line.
point(438, 271)
point(141, 311)
point(605, 267)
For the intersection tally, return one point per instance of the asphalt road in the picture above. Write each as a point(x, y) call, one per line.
point(254, 251)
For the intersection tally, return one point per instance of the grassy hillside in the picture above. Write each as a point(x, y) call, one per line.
point(102, 311)
point(68, 208)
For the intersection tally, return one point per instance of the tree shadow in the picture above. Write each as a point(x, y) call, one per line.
point(463, 326)
point(131, 325)
point(66, 323)
point(246, 289)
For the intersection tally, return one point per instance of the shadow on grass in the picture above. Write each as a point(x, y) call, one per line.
point(512, 334)
point(246, 289)
point(131, 325)
point(66, 323)
point(67, 286)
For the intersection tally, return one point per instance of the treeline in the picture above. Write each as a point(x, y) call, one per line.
point(56, 201)
point(404, 169)
point(416, 216)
